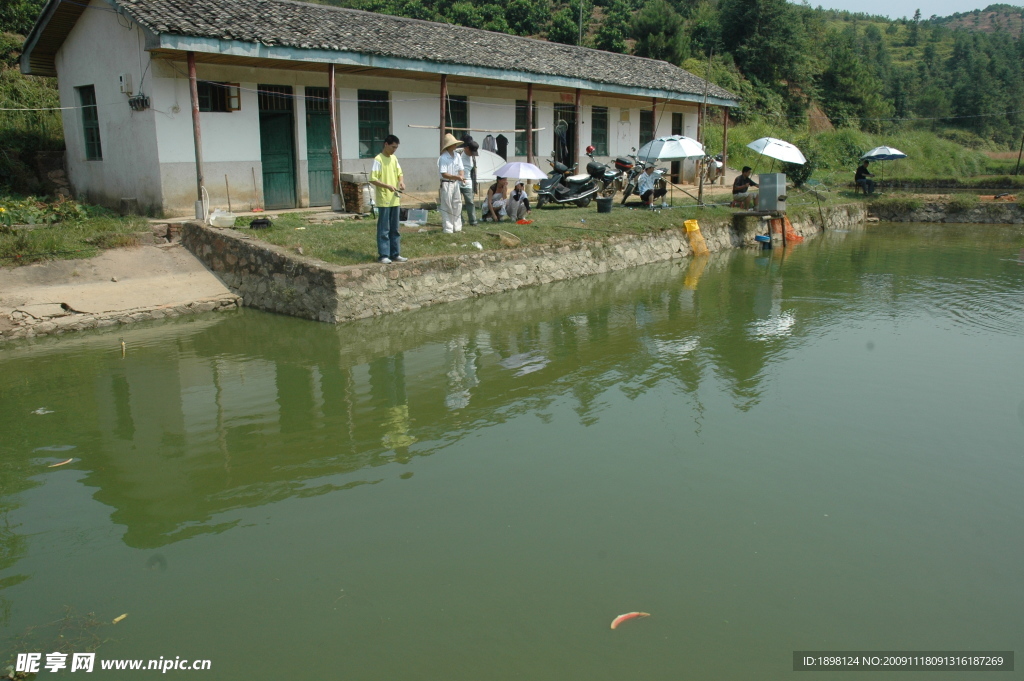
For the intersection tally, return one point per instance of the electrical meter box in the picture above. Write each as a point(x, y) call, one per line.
point(771, 192)
point(124, 82)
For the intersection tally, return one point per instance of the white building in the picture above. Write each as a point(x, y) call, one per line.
point(262, 84)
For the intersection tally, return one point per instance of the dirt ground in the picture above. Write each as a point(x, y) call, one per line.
point(116, 280)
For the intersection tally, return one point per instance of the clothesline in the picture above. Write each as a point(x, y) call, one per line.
point(449, 127)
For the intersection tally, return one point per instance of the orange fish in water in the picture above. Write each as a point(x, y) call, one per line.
point(628, 616)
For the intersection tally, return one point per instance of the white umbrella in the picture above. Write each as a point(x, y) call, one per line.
point(778, 149)
point(883, 154)
point(674, 147)
point(521, 171)
point(486, 163)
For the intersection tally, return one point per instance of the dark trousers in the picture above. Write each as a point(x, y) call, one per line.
point(651, 194)
point(387, 232)
point(868, 185)
point(468, 204)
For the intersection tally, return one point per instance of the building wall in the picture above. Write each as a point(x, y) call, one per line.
point(129, 167)
point(150, 155)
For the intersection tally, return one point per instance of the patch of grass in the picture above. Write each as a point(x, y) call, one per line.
point(69, 239)
point(960, 203)
point(896, 204)
point(353, 242)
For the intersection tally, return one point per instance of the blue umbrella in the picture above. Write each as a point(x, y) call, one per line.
point(883, 154)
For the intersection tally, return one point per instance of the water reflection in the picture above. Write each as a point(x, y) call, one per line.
point(246, 409)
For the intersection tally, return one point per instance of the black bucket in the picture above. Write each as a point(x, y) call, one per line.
point(604, 204)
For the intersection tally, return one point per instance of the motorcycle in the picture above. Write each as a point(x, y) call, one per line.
point(561, 187)
point(634, 167)
point(609, 179)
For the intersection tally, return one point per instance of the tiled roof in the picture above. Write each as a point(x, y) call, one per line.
point(308, 26)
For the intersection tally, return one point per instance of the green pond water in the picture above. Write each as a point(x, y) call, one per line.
point(818, 449)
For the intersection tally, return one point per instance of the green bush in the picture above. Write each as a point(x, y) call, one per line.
point(959, 203)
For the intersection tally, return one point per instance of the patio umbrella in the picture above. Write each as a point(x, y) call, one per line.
point(487, 162)
point(520, 171)
point(883, 154)
point(671, 148)
point(778, 149)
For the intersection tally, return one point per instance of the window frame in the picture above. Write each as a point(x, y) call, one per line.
point(646, 121)
point(600, 143)
point(374, 115)
point(219, 97)
point(520, 137)
point(90, 122)
point(463, 111)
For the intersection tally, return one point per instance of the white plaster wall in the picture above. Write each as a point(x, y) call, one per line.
point(231, 142)
point(129, 167)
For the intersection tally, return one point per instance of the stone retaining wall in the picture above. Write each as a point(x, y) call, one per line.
point(996, 213)
point(275, 279)
point(42, 320)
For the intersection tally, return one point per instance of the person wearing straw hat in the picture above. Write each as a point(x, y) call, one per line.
point(452, 172)
point(386, 177)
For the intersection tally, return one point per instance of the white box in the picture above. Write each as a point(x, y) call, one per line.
point(771, 191)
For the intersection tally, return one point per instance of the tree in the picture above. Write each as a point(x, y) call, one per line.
point(851, 94)
point(17, 16)
point(611, 36)
point(526, 17)
point(915, 26)
point(767, 39)
point(564, 28)
point(464, 13)
point(660, 34)
point(705, 29)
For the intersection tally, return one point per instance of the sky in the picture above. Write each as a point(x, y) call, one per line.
point(895, 9)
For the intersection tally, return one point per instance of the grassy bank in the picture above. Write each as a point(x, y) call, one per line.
point(353, 242)
point(834, 155)
point(33, 230)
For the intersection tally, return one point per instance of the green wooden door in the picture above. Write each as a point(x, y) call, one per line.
point(318, 146)
point(277, 146)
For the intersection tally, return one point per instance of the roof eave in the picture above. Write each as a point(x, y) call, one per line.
point(243, 49)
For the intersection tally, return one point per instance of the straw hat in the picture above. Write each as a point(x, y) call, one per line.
point(449, 142)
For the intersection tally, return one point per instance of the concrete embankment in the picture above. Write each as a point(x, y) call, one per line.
point(944, 211)
point(118, 286)
point(275, 279)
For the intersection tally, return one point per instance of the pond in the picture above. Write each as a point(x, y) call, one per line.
point(811, 449)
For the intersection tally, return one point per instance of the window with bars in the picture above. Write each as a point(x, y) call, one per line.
point(275, 97)
point(599, 130)
point(374, 121)
point(646, 126)
point(318, 100)
point(457, 115)
point(90, 122)
point(521, 125)
point(219, 97)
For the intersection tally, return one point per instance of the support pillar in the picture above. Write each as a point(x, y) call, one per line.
point(444, 106)
point(725, 140)
point(529, 123)
point(579, 114)
point(197, 137)
point(337, 200)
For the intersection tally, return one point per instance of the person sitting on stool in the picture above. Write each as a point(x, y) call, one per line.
point(646, 187)
point(861, 178)
point(741, 194)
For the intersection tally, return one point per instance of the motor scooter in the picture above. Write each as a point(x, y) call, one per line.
point(633, 173)
point(561, 187)
point(609, 179)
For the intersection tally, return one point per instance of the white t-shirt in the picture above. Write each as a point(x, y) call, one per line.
point(450, 163)
point(467, 165)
